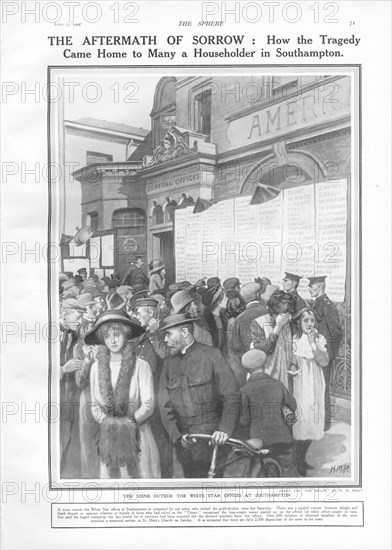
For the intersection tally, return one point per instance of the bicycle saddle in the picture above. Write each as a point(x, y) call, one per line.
point(257, 444)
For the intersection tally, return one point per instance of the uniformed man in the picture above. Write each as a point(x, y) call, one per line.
point(198, 394)
point(152, 349)
point(329, 326)
point(135, 275)
point(290, 285)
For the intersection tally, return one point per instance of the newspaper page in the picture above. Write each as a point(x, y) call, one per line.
point(196, 226)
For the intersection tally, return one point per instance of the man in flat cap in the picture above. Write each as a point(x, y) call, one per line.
point(198, 394)
point(135, 275)
point(330, 327)
point(242, 337)
point(290, 285)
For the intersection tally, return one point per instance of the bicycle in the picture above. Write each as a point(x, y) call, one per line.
point(249, 459)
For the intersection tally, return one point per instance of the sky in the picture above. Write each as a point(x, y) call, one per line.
point(118, 97)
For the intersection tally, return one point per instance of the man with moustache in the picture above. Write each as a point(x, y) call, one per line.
point(198, 394)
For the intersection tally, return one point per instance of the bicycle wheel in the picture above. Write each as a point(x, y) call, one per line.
point(269, 467)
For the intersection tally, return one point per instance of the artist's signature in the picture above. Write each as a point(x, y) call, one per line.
point(340, 469)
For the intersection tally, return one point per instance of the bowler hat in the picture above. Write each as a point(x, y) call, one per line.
point(253, 359)
point(176, 320)
point(111, 316)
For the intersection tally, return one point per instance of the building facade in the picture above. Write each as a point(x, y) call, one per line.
point(215, 138)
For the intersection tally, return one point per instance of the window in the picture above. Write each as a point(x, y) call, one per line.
point(92, 220)
point(169, 207)
point(157, 214)
point(96, 158)
point(203, 113)
point(128, 217)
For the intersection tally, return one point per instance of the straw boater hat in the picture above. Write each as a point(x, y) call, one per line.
point(176, 320)
point(157, 265)
point(110, 316)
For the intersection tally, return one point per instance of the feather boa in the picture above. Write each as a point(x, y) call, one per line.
point(118, 437)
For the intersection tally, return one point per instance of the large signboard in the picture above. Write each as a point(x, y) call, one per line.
point(303, 231)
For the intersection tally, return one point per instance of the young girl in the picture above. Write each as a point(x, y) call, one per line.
point(309, 357)
point(122, 396)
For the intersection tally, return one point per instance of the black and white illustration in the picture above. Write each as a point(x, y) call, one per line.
point(208, 289)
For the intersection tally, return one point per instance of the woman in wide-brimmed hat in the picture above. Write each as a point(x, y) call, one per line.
point(157, 275)
point(122, 396)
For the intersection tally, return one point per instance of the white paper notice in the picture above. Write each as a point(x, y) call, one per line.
point(299, 234)
point(107, 250)
point(180, 242)
point(226, 242)
point(193, 246)
point(247, 238)
point(95, 252)
point(331, 224)
point(270, 224)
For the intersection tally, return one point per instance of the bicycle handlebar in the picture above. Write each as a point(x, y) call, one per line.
point(238, 443)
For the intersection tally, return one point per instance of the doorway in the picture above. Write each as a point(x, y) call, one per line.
point(167, 255)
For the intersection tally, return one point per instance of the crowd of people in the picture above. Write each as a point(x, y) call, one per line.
point(143, 364)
